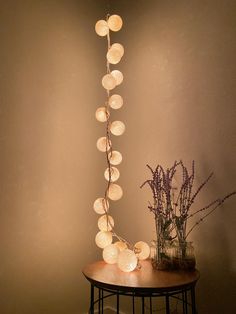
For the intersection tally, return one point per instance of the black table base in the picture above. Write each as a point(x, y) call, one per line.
point(184, 295)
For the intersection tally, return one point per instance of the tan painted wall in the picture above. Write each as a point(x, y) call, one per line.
point(179, 96)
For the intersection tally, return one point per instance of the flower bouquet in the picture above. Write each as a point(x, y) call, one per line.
point(172, 209)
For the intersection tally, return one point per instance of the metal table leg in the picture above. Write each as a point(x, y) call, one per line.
point(92, 300)
point(167, 304)
point(194, 311)
point(117, 303)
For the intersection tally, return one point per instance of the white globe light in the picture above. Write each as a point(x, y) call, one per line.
point(115, 23)
point(109, 81)
point(121, 245)
point(110, 254)
point(115, 101)
point(115, 157)
point(101, 205)
point(115, 192)
point(101, 28)
point(142, 249)
point(103, 238)
point(105, 223)
point(127, 260)
point(114, 176)
point(118, 47)
point(102, 114)
point(117, 128)
point(103, 144)
point(113, 56)
point(118, 76)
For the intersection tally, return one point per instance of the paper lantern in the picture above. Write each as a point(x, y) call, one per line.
point(103, 238)
point(102, 28)
point(142, 250)
point(102, 114)
point(109, 81)
point(115, 101)
point(113, 176)
point(119, 47)
point(115, 23)
point(118, 76)
point(113, 56)
point(101, 205)
point(114, 192)
point(110, 254)
point(127, 260)
point(117, 128)
point(121, 245)
point(115, 157)
point(103, 144)
point(105, 223)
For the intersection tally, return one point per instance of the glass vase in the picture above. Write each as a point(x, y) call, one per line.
point(162, 255)
point(184, 257)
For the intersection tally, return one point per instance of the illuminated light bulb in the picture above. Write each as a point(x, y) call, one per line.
point(113, 56)
point(105, 223)
point(115, 23)
point(102, 114)
point(103, 238)
point(109, 81)
point(115, 101)
point(115, 157)
point(117, 128)
point(127, 260)
point(118, 76)
point(115, 174)
point(110, 254)
point(142, 249)
point(103, 144)
point(101, 28)
point(121, 245)
point(114, 192)
point(101, 205)
point(119, 47)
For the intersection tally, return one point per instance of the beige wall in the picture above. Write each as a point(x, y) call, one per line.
point(179, 96)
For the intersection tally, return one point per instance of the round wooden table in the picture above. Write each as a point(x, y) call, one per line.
point(144, 283)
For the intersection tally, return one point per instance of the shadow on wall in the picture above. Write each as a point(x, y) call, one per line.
point(217, 283)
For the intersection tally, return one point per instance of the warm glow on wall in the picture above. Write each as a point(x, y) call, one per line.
point(121, 251)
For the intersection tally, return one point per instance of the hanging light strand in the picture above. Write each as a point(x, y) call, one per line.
point(121, 252)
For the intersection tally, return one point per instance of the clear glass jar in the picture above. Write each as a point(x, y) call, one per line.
point(162, 256)
point(184, 257)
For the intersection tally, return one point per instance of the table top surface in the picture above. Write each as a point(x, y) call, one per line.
point(110, 276)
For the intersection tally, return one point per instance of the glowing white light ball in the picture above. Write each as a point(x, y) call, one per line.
point(119, 47)
point(109, 81)
point(118, 76)
point(115, 23)
point(102, 114)
point(103, 238)
point(115, 192)
point(127, 260)
point(105, 223)
point(103, 144)
point(143, 250)
point(117, 128)
point(115, 174)
point(113, 56)
point(115, 157)
point(121, 245)
point(110, 254)
point(101, 205)
point(115, 101)
point(101, 28)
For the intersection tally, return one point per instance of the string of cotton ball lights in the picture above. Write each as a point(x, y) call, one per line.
point(116, 250)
